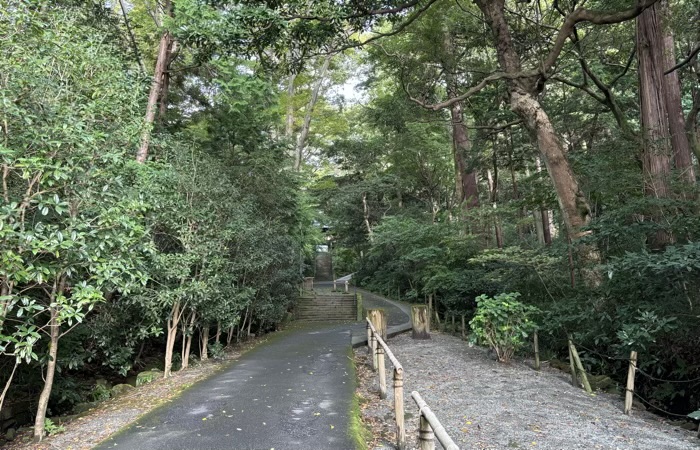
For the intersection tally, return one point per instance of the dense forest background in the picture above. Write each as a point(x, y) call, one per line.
point(167, 167)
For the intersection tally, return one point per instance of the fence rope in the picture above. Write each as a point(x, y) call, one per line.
point(666, 381)
point(646, 402)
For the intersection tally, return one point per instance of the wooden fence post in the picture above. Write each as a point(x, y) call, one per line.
point(378, 319)
point(346, 286)
point(579, 366)
point(629, 392)
point(420, 322)
point(369, 339)
point(426, 437)
point(374, 351)
point(335, 288)
point(577, 360)
point(537, 351)
point(398, 409)
point(574, 378)
point(382, 371)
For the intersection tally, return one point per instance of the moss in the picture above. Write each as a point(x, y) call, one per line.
point(358, 431)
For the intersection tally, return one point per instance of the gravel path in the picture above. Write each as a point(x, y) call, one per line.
point(487, 405)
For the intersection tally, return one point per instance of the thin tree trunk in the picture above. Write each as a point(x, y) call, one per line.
point(656, 154)
point(152, 105)
point(243, 324)
point(7, 384)
point(492, 179)
point(365, 209)
point(546, 230)
point(165, 85)
point(204, 343)
point(229, 338)
point(187, 341)
point(543, 214)
point(172, 323)
point(289, 120)
point(132, 40)
point(466, 181)
point(54, 333)
point(306, 125)
point(218, 333)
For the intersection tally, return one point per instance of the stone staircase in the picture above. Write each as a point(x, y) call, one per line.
point(334, 307)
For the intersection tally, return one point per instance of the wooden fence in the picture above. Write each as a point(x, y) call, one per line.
point(429, 424)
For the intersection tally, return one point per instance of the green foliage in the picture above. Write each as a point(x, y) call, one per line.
point(216, 350)
point(503, 323)
point(52, 428)
point(100, 393)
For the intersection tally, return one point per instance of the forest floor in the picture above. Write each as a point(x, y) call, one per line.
point(88, 430)
point(484, 404)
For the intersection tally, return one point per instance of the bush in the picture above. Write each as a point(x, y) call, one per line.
point(503, 323)
point(216, 350)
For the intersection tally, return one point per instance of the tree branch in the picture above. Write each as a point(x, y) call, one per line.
point(369, 13)
point(409, 20)
point(471, 91)
point(595, 17)
point(687, 60)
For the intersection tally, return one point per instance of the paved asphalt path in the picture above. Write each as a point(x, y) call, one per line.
point(292, 392)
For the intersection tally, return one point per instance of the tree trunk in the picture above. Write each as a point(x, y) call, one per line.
point(218, 333)
point(546, 229)
point(54, 333)
point(493, 194)
point(187, 341)
point(154, 94)
point(165, 85)
point(365, 210)
point(466, 180)
point(656, 153)
point(204, 342)
point(289, 119)
point(229, 338)
point(172, 323)
point(306, 125)
point(672, 90)
point(574, 206)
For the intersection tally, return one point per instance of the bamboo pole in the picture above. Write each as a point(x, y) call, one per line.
point(537, 351)
point(433, 422)
point(582, 373)
point(382, 372)
point(629, 392)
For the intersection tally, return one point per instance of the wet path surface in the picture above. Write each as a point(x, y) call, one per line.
point(293, 392)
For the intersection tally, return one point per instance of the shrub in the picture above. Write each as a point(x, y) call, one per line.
point(503, 323)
